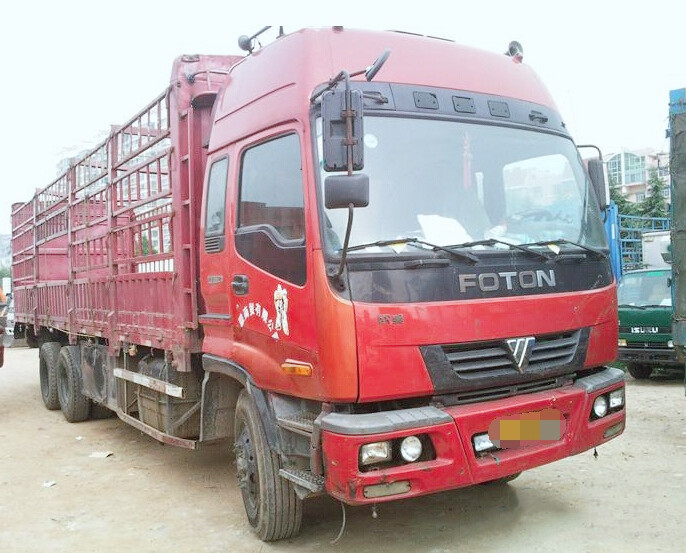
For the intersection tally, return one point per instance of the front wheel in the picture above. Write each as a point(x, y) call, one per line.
point(274, 510)
point(639, 372)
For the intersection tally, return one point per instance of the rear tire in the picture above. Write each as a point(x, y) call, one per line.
point(638, 371)
point(75, 406)
point(48, 356)
point(273, 509)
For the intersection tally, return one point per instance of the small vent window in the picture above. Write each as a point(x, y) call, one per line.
point(216, 206)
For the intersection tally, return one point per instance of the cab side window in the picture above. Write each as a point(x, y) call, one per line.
point(272, 188)
point(271, 208)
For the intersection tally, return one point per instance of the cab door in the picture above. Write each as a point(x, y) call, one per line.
point(214, 260)
point(271, 270)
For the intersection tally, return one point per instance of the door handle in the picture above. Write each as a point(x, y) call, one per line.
point(240, 285)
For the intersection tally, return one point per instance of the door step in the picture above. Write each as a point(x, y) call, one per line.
point(304, 478)
point(300, 423)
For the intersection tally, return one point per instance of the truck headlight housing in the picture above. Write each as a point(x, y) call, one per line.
point(600, 407)
point(376, 452)
point(621, 343)
point(411, 448)
point(617, 398)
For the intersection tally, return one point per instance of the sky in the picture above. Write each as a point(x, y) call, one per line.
point(70, 69)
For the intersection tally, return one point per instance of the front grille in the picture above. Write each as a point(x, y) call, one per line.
point(488, 359)
point(649, 345)
point(502, 391)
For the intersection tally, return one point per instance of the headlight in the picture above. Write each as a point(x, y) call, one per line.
point(621, 343)
point(617, 398)
point(376, 452)
point(600, 407)
point(670, 344)
point(411, 448)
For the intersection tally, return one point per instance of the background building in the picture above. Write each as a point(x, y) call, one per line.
point(630, 170)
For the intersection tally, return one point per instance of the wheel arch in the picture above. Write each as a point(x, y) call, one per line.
point(222, 384)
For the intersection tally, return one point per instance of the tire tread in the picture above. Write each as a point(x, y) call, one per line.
point(78, 406)
point(49, 353)
point(280, 510)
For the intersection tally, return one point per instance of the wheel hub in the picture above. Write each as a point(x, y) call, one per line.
point(247, 472)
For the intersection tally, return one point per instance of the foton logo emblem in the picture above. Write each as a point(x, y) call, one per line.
point(644, 330)
point(520, 351)
point(490, 282)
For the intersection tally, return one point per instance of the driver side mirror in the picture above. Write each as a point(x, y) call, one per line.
point(596, 172)
point(342, 190)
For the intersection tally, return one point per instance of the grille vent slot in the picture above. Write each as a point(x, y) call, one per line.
point(486, 359)
point(214, 244)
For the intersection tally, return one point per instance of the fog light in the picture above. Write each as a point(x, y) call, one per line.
point(621, 343)
point(482, 443)
point(600, 407)
point(376, 452)
point(613, 430)
point(411, 448)
point(617, 398)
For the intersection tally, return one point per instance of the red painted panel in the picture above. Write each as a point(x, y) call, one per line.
point(456, 464)
point(390, 363)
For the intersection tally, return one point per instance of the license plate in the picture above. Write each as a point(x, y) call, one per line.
point(527, 429)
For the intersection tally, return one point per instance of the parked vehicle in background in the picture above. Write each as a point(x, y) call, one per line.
point(645, 321)
point(657, 249)
point(9, 318)
point(201, 273)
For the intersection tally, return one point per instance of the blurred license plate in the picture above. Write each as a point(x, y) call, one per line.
point(527, 429)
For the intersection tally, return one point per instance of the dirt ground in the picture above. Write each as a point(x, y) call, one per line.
point(147, 497)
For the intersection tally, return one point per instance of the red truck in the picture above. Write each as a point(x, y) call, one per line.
point(378, 279)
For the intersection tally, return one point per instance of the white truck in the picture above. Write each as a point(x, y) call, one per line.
point(657, 251)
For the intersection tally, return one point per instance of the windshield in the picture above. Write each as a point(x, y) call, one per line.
point(643, 289)
point(448, 182)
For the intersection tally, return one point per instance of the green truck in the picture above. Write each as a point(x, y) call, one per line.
point(645, 322)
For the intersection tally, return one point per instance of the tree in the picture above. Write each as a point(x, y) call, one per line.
point(624, 206)
point(654, 205)
point(4, 272)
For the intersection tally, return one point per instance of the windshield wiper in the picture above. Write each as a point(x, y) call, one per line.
point(597, 253)
point(631, 306)
point(494, 241)
point(417, 243)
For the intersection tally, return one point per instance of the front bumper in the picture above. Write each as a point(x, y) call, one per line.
point(451, 430)
point(648, 356)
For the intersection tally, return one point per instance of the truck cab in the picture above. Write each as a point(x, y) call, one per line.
point(469, 284)
point(645, 322)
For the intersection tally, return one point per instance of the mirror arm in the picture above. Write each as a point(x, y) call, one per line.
point(346, 242)
point(349, 116)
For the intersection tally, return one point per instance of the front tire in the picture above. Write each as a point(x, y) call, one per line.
point(48, 356)
point(639, 372)
point(75, 406)
point(273, 509)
